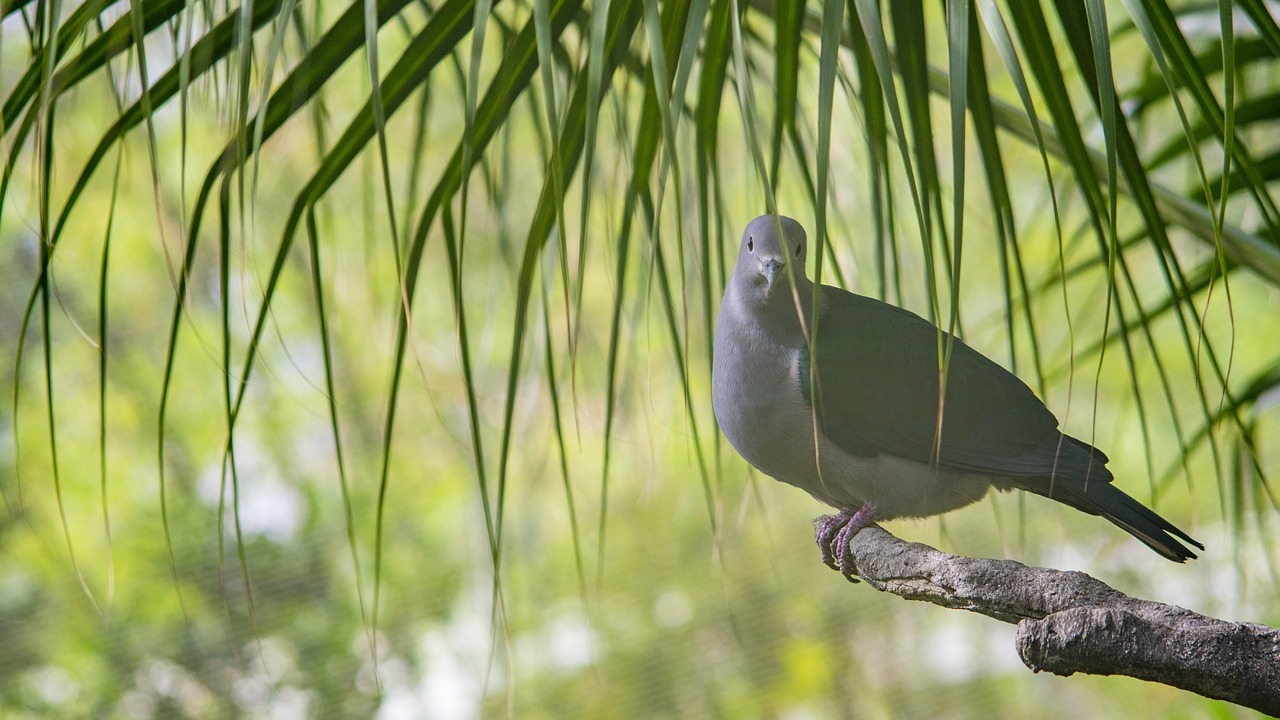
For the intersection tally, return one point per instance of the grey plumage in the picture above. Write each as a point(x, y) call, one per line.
point(855, 424)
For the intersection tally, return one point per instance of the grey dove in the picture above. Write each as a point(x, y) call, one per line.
point(855, 423)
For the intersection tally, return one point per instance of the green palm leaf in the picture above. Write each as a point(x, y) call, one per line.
point(1128, 161)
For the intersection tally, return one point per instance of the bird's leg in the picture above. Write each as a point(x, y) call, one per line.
point(834, 533)
point(840, 546)
point(826, 527)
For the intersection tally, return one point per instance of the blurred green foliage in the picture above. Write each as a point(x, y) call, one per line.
point(682, 606)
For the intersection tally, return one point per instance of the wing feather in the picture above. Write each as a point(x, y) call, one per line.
point(877, 380)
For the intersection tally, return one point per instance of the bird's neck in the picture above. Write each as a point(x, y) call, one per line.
point(785, 316)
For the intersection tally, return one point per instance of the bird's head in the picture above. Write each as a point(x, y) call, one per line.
point(771, 258)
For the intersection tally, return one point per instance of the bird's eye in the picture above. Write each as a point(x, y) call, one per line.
point(799, 248)
point(751, 245)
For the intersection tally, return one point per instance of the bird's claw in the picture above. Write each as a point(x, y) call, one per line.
point(825, 529)
point(834, 535)
point(840, 546)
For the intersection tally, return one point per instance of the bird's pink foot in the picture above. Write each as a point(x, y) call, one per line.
point(834, 533)
point(826, 527)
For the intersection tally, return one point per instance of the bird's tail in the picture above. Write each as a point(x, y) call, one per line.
point(1097, 496)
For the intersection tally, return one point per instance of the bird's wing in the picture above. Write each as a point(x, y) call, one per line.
point(877, 391)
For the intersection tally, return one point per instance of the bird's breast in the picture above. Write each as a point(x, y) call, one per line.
point(756, 395)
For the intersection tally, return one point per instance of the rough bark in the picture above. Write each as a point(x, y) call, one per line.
point(1069, 622)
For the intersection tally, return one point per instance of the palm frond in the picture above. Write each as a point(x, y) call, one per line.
point(1129, 163)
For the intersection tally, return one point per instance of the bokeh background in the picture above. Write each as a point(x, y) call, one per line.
point(337, 553)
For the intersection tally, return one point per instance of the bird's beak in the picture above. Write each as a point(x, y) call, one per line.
point(772, 269)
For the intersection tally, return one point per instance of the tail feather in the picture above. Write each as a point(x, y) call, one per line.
point(1098, 497)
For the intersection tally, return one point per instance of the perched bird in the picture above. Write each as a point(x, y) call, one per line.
point(856, 422)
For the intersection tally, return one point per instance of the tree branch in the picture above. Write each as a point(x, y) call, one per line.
point(1069, 622)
